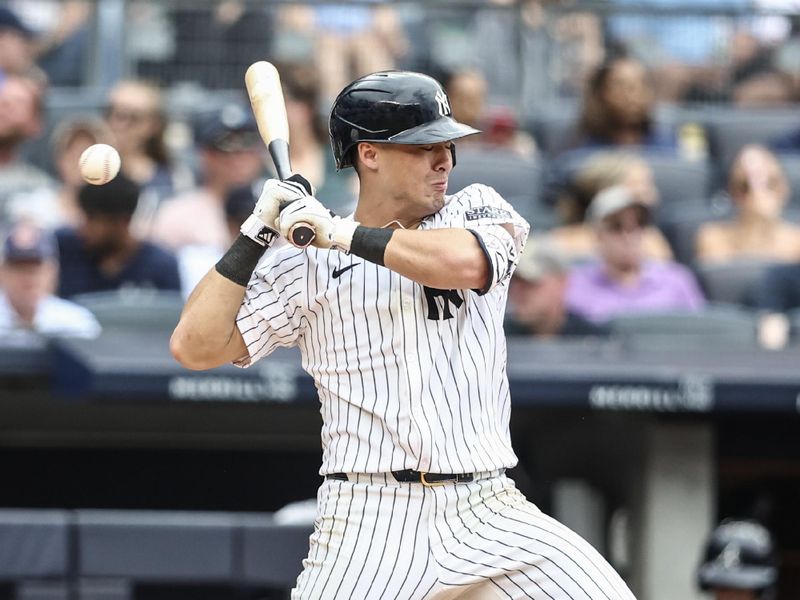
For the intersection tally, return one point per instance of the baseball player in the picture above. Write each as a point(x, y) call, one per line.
point(398, 312)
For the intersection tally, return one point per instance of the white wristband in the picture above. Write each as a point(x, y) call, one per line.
point(254, 228)
point(342, 234)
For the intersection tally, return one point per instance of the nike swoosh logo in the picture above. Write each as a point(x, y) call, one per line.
point(337, 272)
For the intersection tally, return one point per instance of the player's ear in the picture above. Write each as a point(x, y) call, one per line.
point(368, 155)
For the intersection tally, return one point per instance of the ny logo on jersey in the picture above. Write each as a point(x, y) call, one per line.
point(447, 296)
point(443, 102)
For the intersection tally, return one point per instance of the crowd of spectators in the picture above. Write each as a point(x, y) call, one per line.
point(178, 200)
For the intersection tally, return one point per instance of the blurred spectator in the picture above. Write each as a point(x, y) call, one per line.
point(231, 155)
point(576, 238)
point(20, 120)
point(536, 296)
point(16, 44)
point(195, 260)
point(623, 280)
point(739, 562)
point(69, 140)
point(102, 254)
point(352, 40)
point(466, 89)
point(135, 114)
point(618, 107)
point(62, 37)
point(310, 150)
point(28, 275)
point(759, 190)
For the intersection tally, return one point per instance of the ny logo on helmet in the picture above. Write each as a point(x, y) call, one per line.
point(444, 104)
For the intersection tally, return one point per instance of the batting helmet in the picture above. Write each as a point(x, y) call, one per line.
point(398, 107)
point(739, 555)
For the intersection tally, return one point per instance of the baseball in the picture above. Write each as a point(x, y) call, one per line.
point(99, 164)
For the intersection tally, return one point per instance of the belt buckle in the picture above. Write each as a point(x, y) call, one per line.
point(429, 484)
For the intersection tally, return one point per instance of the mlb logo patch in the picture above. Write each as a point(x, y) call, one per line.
point(487, 212)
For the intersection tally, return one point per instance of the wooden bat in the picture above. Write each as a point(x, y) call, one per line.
point(266, 98)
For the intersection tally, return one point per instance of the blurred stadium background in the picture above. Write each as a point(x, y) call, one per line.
point(124, 476)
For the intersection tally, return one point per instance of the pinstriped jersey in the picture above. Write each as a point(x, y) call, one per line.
point(408, 376)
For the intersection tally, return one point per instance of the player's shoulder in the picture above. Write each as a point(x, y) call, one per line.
point(476, 202)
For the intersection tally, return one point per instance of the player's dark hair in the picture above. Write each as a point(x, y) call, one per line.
point(118, 197)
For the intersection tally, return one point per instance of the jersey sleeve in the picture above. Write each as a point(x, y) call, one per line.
point(268, 318)
point(486, 214)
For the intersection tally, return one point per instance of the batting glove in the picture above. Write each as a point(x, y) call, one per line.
point(262, 226)
point(331, 231)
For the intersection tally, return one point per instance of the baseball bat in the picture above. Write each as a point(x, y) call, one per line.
point(266, 98)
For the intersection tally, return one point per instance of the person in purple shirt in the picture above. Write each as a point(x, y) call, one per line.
point(622, 280)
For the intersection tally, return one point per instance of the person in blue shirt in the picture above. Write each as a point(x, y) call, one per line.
point(101, 254)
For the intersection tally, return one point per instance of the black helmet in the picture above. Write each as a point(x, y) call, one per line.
point(399, 107)
point(739, 555)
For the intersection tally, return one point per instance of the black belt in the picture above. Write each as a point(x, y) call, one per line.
point(412, 476)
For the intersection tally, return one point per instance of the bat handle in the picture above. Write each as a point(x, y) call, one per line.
point(301, 235)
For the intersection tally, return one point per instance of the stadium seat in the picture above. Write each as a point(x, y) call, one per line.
point(791, 165)
point(34, 544)
point(730, 282)
point(554, 128)
point(158, 546)
point(137, 309)
point(715, 326)
point(679, 179)
point(794, 323)
point(680, 222)
point(729, 128)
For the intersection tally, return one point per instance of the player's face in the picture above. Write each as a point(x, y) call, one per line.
point(415, 176)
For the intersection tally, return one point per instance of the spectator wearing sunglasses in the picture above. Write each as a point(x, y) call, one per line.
point(759, 191)
point(622, 279)
point(137, 119)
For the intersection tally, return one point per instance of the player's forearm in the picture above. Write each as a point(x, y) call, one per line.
point(440, 258)
point(206, 335)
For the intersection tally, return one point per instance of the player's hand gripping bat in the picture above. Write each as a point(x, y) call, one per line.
point(266, 98)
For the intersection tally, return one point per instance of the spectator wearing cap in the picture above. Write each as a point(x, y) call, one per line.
point(101, 253)
point(20, 121)
point(601, 170)
point(28, 275)
point(536, 296)
point(231, 155)
point(622, 280)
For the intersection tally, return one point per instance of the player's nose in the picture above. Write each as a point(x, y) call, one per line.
point(443, 158)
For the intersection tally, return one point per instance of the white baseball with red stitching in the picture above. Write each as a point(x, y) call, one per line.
point(99, 164)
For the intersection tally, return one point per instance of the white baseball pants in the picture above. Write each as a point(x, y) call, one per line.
point(377, 538)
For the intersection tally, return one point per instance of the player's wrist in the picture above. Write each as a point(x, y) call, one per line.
point(255, 229)
point(370, 243)
point(241, 259)
point(342, 233)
